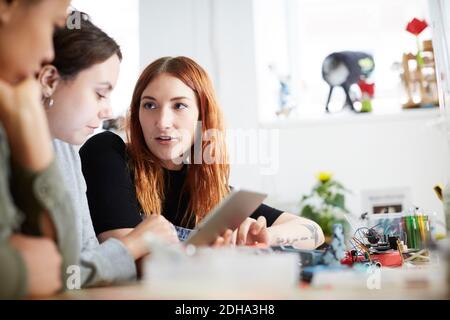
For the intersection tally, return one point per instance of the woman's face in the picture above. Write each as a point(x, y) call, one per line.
point(26, 31)
point(168, 115)
point(81, 104)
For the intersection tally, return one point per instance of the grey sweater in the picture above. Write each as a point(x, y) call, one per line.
point(105, 263)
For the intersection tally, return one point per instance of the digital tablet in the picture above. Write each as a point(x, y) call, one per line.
point(228, 214)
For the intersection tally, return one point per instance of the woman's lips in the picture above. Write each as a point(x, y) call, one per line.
point(91, 129)
point(165, 140)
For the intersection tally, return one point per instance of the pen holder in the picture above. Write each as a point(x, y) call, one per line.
point(415, 230)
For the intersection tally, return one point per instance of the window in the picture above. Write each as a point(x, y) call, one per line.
point(316, 28)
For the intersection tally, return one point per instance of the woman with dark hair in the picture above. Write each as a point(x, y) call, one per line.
point(173, 104)
point(76, 89)
point(33, 202)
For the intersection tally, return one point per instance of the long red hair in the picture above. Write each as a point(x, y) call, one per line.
point(205, 184)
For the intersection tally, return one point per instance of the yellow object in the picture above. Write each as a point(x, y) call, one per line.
point(440, 236)
point(324, 176)
point(438, 189)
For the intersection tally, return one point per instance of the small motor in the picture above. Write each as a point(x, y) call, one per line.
point(372, 236)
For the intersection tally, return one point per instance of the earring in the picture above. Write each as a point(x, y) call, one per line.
point(50, 102)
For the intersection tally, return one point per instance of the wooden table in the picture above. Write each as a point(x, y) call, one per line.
point(427, 281)
point(142, 291)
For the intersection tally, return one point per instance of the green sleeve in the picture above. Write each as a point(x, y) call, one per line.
point(35, 193)
point(12, 273)
point(44, 191)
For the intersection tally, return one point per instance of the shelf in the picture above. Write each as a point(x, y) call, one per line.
point(348, 117)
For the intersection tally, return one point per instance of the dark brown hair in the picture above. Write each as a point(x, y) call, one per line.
point(80, 48)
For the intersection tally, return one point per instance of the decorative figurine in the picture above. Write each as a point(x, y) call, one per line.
point(344, 69)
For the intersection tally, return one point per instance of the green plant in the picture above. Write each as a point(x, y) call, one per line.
point(326, 203)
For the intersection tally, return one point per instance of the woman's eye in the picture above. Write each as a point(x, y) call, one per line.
point(180, 106)
point(100, 96)
point(149, 105)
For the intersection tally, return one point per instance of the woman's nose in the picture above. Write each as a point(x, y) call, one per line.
point(105, 113)
point(164, 119)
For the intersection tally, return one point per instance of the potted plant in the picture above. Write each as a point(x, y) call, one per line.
point(325, 204)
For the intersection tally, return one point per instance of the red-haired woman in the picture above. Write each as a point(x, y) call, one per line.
point(149, 175)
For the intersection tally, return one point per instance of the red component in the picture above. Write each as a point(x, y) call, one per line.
point(349, 259)
point(416, 26)
point(386, 259)
point(368, 88)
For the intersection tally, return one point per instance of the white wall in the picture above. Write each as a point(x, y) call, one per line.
point(271, 49)
point(120, 20)
point(219, 35)
point(364, 152)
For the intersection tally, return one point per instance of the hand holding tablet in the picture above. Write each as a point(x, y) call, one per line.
point(229, 214)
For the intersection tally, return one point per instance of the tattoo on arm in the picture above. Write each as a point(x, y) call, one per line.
point(289, 241)
point(312, 228)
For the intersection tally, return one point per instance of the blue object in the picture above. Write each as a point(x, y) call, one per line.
point(336, 251)
point(307, 257)
point(183, 233)
point(308, 273)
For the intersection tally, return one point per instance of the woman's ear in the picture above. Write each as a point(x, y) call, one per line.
point(49, 79)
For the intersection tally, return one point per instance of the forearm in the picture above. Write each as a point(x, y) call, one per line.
point(35, 193)
point(108, 263)
point(135, 246)
point(29, 139)
point(32, 156)
point(299, 232)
